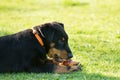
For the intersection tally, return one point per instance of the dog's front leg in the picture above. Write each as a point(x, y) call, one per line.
point(42, 68)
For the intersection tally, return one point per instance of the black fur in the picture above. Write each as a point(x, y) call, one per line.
point(21, 52)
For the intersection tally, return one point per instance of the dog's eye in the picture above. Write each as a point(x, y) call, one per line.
point(62, 40)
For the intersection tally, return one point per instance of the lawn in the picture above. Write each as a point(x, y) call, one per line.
point(93, 27)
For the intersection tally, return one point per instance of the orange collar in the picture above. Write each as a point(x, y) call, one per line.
point(38, 37)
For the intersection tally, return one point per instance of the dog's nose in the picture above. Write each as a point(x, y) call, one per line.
point(70, 55)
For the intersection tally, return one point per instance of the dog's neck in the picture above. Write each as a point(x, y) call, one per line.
point(38, 37)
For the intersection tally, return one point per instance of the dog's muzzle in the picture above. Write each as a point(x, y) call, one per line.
point(70, 55)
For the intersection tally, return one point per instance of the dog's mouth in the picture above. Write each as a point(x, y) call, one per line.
point(58, 59)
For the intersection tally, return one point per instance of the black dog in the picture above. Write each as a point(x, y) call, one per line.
point(24, 52)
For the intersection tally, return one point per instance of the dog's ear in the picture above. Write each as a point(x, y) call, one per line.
point(48, 31)
point(50, 37)
point(61, 24)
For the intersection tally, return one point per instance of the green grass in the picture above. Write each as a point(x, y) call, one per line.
point(93, 27)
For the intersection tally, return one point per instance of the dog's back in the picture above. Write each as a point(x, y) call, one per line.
point(13, 51)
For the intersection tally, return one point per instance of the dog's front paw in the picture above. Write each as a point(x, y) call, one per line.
point(73, 68)
point(66, 69)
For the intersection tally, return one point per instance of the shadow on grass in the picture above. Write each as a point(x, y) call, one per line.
point(84, 76)
point(95, 76)
point(53, 76)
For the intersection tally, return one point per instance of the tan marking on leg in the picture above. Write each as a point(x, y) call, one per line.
point(63, 69)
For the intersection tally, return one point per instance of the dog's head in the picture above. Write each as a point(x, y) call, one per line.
point(55, 40)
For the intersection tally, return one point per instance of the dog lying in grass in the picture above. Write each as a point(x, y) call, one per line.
point(27, 51)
